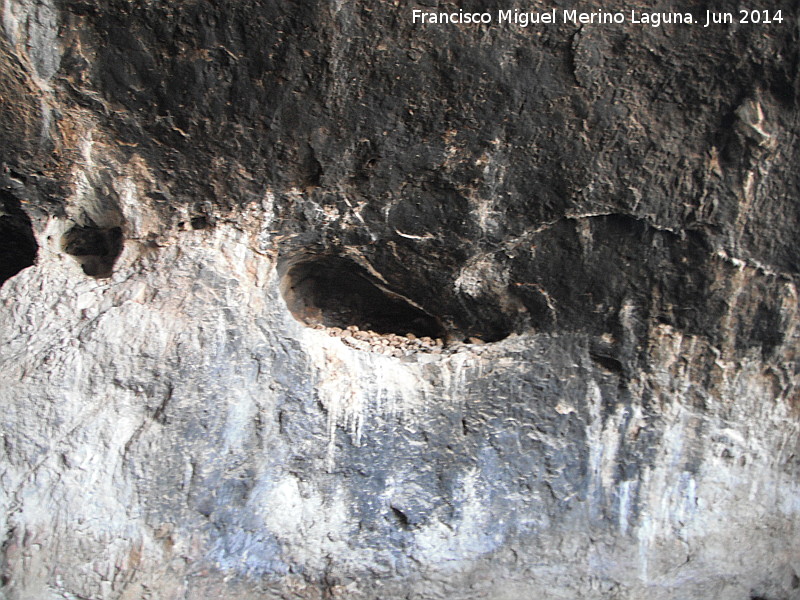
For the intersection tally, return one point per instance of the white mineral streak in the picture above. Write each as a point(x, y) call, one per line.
point(454, 375)
point(625, 493)
point(594, 432)
point(355, 380)
point(699, 506)
point(695, 508)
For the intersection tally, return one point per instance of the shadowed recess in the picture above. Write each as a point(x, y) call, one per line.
point(18, 247)
point(336, 292)
point(95, 248)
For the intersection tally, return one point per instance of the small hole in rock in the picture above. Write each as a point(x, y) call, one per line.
point(334, 291)
point(608, 363)
point(400, 517)
point(18, 247)
point(199, 222)
point(95, 248)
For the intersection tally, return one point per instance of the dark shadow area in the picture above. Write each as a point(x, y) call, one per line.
point(336, 292)
point(618, 275)
point(588, 274)
point(18, 247)
point(95, 248)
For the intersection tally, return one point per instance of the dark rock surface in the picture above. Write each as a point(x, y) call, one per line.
point(592, 230)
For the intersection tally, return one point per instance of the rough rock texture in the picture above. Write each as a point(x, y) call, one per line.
point(589, 232)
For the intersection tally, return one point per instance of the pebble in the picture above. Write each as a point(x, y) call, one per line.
point(391, 344)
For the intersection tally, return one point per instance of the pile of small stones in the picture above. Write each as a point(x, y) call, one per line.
point(389, 344)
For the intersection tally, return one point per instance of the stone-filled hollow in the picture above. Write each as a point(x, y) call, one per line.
point(95, 248)
point(334, 291)
point(18, 247)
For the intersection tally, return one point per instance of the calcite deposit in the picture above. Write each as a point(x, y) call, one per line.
point(302, 299)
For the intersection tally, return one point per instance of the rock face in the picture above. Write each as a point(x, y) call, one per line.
point(304, 300)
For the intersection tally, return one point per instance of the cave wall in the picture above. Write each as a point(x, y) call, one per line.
point(590, 231)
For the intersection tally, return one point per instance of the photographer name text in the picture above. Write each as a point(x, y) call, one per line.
point(575, 17)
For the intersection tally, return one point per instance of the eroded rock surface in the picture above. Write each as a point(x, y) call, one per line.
point(301, 300)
